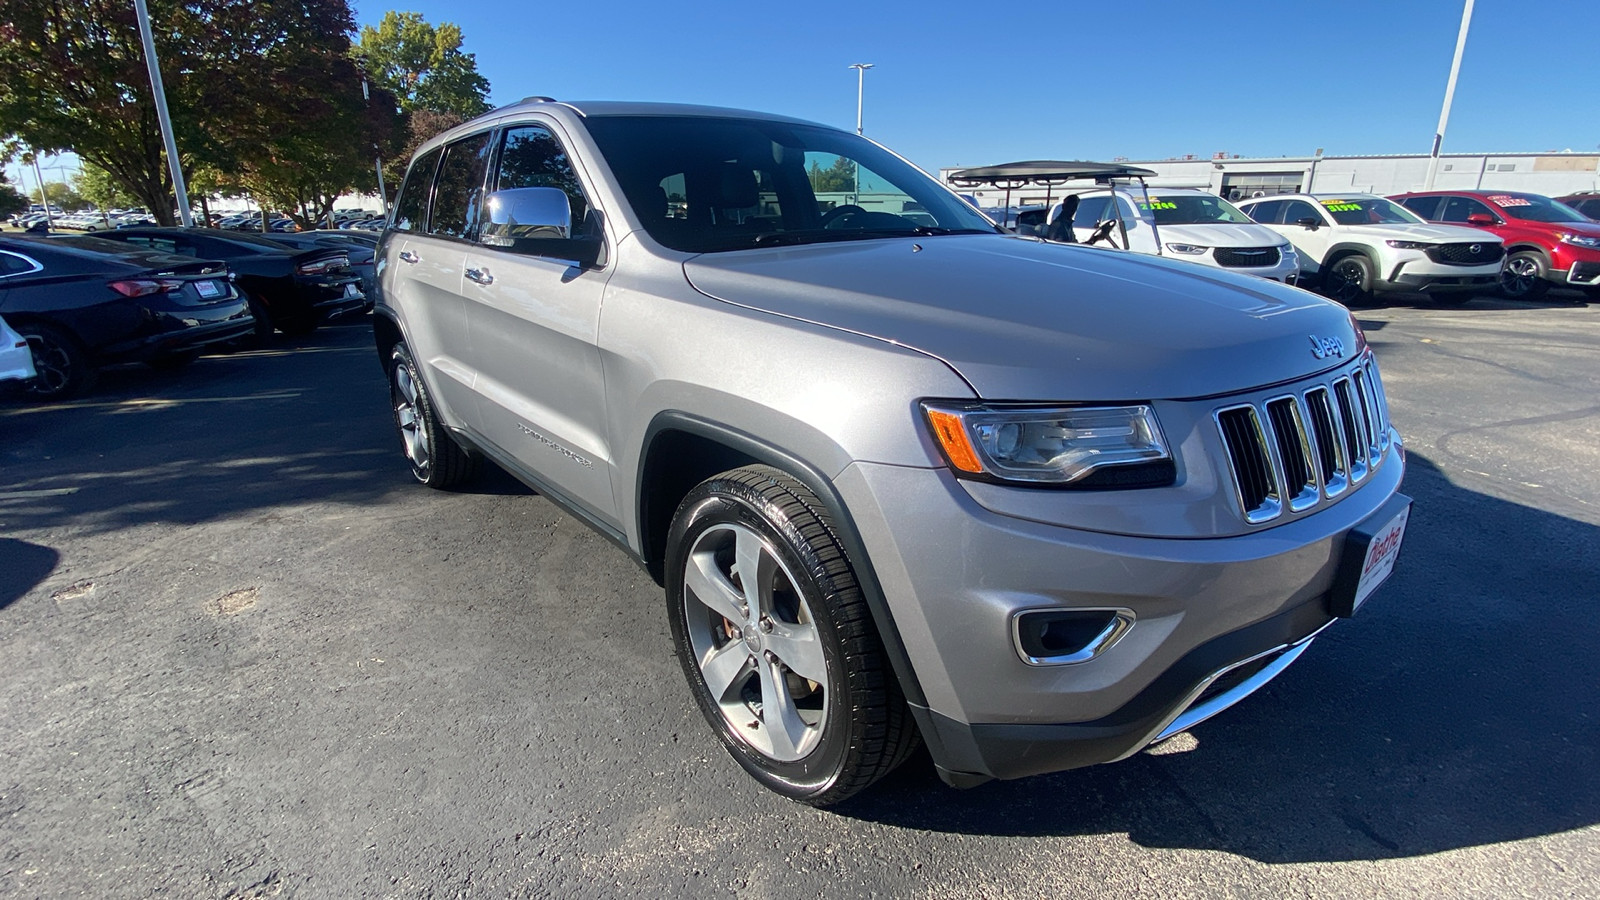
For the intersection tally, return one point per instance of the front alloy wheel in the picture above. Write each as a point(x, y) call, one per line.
point(61, 367)
point(1350, 280)
point(756, 642)
point(776, 639)
point(1523, 277)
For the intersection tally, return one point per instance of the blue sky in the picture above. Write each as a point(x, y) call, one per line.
point(1075, 80)
point(1145, 79)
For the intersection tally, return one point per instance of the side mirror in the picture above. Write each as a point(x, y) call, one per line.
point(1311, 223)
point(537, 221)
point(537, 212)
point(1481, 219)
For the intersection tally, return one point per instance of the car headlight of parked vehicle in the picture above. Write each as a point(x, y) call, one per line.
point(1580, 240)
point(1187, 249)
point(1409, 245)
point(1052, 445)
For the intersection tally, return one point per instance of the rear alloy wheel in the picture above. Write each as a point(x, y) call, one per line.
point(1349, 281)
point(777, 642)
point(62, 367)
point(436, 459)
point(1523, 276)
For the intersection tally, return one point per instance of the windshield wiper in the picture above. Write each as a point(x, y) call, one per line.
point(825, 235)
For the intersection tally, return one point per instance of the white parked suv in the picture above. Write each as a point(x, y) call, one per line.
point(1360, 244)
point(1188, 224)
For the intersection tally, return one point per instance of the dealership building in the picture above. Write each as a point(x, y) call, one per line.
point(1551, 174)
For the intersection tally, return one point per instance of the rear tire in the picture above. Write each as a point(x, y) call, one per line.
point(436, 459)
point(1523, 277)
point(63, 367)
point(784, 662)
point(1349, 280)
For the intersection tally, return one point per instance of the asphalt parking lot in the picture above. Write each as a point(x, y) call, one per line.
point(243, 656)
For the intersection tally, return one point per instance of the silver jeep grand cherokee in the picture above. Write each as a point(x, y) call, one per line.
point(903, 477)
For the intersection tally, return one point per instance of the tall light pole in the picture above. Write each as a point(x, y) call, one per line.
point(178, 187)
point(383, 195)
point(861, 83)
point(1449, 95)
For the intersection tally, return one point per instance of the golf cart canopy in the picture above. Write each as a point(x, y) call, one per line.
point(1043, 171)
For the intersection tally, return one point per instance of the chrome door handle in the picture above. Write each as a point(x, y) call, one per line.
point(409, 257)
point(481, 276)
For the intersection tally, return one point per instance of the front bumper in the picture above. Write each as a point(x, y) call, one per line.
point(1423, 275)
point(955, 574)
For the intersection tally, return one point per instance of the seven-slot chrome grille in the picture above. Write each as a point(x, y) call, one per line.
point(1293, 451)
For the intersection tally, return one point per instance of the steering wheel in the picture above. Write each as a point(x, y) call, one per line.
point(839, 212)
point(1102, 232)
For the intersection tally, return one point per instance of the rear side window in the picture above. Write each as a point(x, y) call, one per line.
point(1456, 209)
point(1091, 211)
point(1295, 210)
point(12, 264)
point(531, 156)
point(412, 205)
point(460, 191)
point(1268, 212)
point(1426, 207)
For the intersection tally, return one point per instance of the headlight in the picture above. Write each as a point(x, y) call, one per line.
point(1579, 240)
point(1187, 249)
point(1409, 245)
point(1044, 445)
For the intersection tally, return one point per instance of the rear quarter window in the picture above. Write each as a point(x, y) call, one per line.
point(411, 207)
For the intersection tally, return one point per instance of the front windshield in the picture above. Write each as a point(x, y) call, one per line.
point(704, 185)
point(1368, 211)
point(1189, 209)
point(1534, 208)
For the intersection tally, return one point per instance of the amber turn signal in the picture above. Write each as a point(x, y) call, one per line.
point(954, 440)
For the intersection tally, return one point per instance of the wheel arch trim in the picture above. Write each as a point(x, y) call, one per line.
point(844, 528)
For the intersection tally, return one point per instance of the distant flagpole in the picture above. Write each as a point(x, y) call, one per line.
point(1449, 95)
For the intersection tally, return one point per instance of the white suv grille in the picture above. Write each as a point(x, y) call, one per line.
point(1295, 451)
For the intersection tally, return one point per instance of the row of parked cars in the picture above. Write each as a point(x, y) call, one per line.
point(162, 296)
point(1445, 244)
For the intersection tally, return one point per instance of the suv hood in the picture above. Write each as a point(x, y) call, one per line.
point(1439, 234)
point(1221, 234)
point(1028, 320)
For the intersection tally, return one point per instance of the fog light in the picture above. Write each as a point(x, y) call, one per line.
point(1059, 637)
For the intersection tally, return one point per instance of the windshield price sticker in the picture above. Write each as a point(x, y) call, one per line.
point(1341, 206)
point(1503, 200)
point(1158, 204)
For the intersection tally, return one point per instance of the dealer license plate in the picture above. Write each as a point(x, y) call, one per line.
point(207, 289)
point(1381, 556)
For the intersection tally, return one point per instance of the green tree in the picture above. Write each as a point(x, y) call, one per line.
point(253, 88)
point(62, 195)
point(420, 125)
point(97, 186)
point(11, 200)
point(422, 65)
point(837, 178)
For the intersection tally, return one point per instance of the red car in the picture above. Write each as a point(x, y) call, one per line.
point(1547, 242)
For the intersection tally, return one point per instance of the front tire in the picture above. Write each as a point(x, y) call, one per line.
point(1522, 278)
point(776, 639)
point(1349, 280)
point(436, 459)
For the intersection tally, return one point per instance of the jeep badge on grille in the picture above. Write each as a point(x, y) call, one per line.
point(1322, 348)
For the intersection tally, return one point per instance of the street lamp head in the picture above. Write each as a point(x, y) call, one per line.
point(862, 66)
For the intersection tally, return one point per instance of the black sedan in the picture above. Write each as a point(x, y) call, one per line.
point(362, 248)
point(291, 289)
point(85, 302)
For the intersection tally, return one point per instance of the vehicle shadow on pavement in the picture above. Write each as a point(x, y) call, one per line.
point(1556, 299)
point(302, 421)
point(1461, 707)
point(23, 565)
